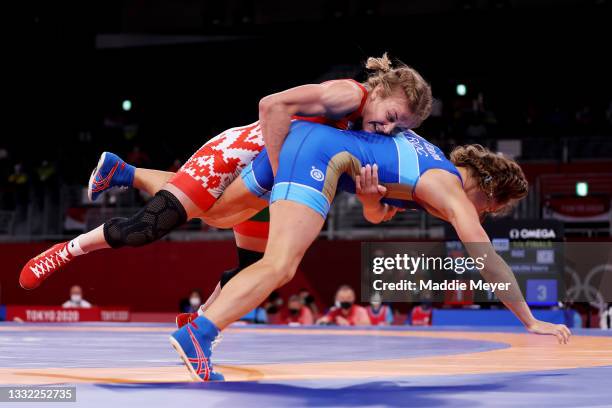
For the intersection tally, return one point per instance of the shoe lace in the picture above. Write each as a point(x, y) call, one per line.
point(50, 262)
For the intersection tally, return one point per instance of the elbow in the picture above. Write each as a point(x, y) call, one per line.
point(267, 104)
point(468, 229)
point(264, 105)
point(275, 105)
point(371, 219)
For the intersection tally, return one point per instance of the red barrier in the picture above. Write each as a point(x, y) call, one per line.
point(156, 277)
point(66, 315)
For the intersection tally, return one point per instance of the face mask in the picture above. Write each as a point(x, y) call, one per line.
point(272, 309)
point(76, 298)
point(294, 312)
point(309, 300)
point(195, 301)
point(346, 305)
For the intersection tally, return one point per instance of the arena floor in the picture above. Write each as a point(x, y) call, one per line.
point(134, 364)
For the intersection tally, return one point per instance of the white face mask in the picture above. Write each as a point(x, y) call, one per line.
point(195, 301)
point(76, 298)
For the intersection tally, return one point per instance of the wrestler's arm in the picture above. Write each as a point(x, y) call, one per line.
point(331, 99)
point(444, 193)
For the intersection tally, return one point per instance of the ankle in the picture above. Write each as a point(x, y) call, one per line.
point(206, 326)
point(74, 247)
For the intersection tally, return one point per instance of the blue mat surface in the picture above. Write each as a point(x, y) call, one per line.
point(99, 345)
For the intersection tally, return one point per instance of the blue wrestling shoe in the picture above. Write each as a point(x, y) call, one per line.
point(193, 343)
point(110, 172)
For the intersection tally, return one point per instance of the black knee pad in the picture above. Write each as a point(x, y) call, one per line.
point(245, 258)
point(227, 275)
point(160, 215)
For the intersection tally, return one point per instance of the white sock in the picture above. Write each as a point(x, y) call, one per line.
point(200, 311)
point(75, 248)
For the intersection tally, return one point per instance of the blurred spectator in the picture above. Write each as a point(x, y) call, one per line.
point(272, 308)
point(19, 177)
point(379, 314)
point(18, 192)
point(45, 171)
point(297, 313)
point(345, 312)
point(308, 300)
point(421, 314)
point(76, 299)
point(274, 303)
point(192, 303)
point(257, 316)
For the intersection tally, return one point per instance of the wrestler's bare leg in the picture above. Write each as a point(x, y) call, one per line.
point(95, 240)
point(235, 205)
point(151, 181)
point(244, 242)
point(168, 209)
point(293, 228)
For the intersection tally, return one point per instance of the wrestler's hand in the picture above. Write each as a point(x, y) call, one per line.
point(560, 331)
point(368, 191)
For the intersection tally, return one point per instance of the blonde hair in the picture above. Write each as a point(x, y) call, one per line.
point(501, 178)
point(388, 77)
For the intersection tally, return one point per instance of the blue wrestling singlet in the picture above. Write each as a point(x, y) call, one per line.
point(316, 160)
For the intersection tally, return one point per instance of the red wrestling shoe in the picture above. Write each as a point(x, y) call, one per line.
point(184, 318)
point(42, 266)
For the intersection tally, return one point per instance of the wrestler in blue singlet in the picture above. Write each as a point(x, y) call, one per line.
point(316, 160)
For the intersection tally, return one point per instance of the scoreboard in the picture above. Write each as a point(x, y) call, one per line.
point(534, 251)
